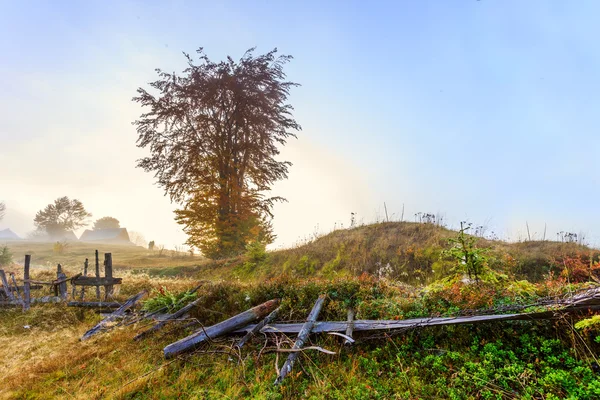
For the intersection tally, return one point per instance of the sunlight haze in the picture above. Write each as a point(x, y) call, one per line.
point(479, 110)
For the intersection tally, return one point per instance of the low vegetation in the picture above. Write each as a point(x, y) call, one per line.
point(372, 269)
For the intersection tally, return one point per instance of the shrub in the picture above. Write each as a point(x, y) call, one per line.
point(5, 256)
point(168, 301)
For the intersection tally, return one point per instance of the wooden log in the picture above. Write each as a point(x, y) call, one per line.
point(350, 327)
point(108, 273)
point(103, 325)
point(27, 285)
point(172, 317)
point(17, 288)
point(305, 331)
point(267, 320)
point(222, 328)
point(94, 304)
point(97, 275)
point(7, 291)
point(92, 281)
point(85, 268)
point(407, 324)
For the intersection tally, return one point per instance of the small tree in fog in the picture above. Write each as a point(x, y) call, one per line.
point(137, 238)
point(151, 245)
point(61, 216)
point(107, 223)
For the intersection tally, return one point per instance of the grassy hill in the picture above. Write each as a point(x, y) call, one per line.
point(383, 271)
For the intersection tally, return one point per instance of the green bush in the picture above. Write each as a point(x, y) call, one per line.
point(5, 256)
point(170, 302)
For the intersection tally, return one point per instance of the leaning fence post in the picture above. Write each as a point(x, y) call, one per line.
point(5, 286)
point(302, 336)
point(12, 276)
point(26, 286)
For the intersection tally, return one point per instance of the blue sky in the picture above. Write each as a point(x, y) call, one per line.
point(481, 110)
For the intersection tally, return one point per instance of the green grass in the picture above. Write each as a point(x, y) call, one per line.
point(531, 360)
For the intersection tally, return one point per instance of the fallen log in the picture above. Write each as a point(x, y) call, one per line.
point(170, 318)
point(94, 304)
point(267, 320)
point(305, 331)
point(373, 325)
point(120, 311)
point(222, 328)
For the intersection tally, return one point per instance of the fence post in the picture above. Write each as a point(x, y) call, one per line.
point(85, 268)
point(26, 285)
point(97, 275)
point(61, 288)
point(108, 273)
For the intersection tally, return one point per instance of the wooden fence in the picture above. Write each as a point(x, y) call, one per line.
point(13, 293)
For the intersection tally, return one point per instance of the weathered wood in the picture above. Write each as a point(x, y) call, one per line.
point(32, 286)
point(94, 304)
point(7, 291)
point(85, 268)
point(27, 285)
point(102, 325)
point(174, 316)
point(92, 281)
point(407, 324)
point(350, 327)
point(17, 288)
point(60, 284)
point(222, 328)
point(108, 273)
point(97, 275)
point(267, 320)
point(305, 331)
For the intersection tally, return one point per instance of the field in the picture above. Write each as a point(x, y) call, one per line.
point(383, 271)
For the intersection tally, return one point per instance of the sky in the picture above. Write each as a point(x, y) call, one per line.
point(485, 111)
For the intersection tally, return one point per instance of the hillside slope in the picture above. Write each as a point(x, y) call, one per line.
point(405, 251)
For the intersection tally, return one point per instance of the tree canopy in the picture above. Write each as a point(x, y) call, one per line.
point(107, 223)
point(61, 216)
point(213, 133)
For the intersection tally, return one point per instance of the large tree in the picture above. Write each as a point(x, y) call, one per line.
point(213, 133)
point(61, 216)
point(107, 223)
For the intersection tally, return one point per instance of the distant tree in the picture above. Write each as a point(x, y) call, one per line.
point(106, 223)
point(137, 238)
point(61, 216)
point(151, 245)
point(213, 133)
point(5, 256)
point(2, 210)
